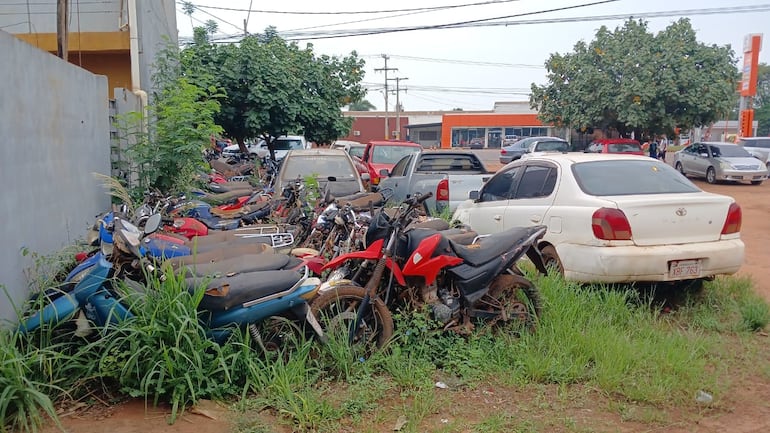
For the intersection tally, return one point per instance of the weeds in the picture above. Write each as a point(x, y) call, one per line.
point(611, 339)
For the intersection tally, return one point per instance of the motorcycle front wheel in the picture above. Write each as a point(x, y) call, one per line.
point(337, 309)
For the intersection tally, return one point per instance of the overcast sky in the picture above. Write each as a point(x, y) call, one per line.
point(473, 66)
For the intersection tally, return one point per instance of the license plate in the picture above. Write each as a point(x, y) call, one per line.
point(684, 268)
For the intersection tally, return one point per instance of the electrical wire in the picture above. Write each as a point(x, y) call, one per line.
point(427, 9)
point(458, 62)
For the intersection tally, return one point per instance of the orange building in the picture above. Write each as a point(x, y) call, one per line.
point(487, 129)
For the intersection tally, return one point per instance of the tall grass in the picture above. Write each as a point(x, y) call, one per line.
point(24, 399)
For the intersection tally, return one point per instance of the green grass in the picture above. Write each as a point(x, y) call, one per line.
point(614, 342)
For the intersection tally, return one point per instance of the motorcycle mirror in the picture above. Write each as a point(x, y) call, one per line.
point(152, 224)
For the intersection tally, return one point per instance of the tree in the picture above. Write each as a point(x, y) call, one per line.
point(274, 88)
point(362, 105)
point(631, 80)
point(762, 100)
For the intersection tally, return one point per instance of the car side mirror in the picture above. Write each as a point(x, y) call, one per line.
point(473, 195)
point(384, 172)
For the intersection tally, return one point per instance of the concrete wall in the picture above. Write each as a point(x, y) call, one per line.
point(54, 120)
point(157, 29)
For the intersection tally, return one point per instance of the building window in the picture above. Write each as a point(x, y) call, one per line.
point(427, 136)
point(463, 137)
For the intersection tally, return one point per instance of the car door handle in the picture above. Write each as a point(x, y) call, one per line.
point(497, 217)
point(535, 218)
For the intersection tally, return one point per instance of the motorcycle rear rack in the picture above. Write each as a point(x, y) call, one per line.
point(278, 237)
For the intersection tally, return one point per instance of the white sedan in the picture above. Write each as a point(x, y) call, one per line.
point(613, 218)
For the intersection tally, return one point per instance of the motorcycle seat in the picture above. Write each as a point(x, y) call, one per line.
point(492, 246)
point(229, 186)
point(222, 252)
point(227, 292)
point(416, 236)
point(360, 202)
point(236, 265)
point(246, 209)
point(220, 224)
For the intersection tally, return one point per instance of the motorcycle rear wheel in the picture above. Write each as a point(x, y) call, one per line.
point(336, 310)
point(516, 299)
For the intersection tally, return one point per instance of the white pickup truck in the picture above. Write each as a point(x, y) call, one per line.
point(449, 175)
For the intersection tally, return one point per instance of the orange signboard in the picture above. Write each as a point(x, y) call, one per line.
point(751, 46)
point(747, 123)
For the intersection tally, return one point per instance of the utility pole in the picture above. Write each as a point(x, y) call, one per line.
point(386, 69)
point(398, 105)
point(62, 15)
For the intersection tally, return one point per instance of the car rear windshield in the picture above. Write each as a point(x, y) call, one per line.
point(319, 166)
point(552, 146)
point(456, 162)
point(763, 143)
point(284, 144)
point(384, 154)
point(729, 151)
point(624, 147)
point(629, 177)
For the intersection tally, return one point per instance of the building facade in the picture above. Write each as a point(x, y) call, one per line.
point(119, 39)
point(447, 129)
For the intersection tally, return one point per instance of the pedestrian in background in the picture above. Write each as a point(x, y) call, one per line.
point(662, 149)
point(653, 148)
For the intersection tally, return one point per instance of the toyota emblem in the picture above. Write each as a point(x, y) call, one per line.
point(681, 211)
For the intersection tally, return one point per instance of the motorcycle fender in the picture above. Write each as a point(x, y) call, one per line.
point(243, 316)
point(60, 310)
point(374, 252)
point(421, 263)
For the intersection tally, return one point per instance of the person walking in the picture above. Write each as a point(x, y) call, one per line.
point(653, 149)
point(662, 149)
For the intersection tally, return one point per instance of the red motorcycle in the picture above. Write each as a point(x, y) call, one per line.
point(406, 266)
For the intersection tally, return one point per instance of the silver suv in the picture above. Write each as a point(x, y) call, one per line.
point(757, 146)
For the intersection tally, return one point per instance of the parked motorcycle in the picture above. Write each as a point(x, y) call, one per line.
point(463, 285)
point(241, 300)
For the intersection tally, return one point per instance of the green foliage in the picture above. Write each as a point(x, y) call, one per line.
point(762, 101)
point(48, 270)
point(24, 393)
point(670, 81)
point(163, 352)
point(275, 88)
point(362, 105)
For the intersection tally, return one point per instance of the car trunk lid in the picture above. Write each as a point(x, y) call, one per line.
point(685, 218)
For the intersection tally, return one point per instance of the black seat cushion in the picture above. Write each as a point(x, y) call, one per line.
point(494, 245)
point(227, 292)
point(236, 265)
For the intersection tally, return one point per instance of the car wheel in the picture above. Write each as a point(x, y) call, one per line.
point(551, 259)
point(679, 168)
point(711, 175)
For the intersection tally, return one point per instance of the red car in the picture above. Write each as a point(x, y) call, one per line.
point(615, 145)
point(383, 154)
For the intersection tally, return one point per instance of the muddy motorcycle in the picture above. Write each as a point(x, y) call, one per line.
point(274, 293)
point(409, 267)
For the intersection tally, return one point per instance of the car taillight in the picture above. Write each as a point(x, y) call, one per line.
point(442, 190)
point(503, 151)
point(733, 220)
point(611, 224)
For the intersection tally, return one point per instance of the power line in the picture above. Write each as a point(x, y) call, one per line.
point(462, 23)
point(463, 62)
point(212, 15)
point(426, 9)
point(659, 14)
